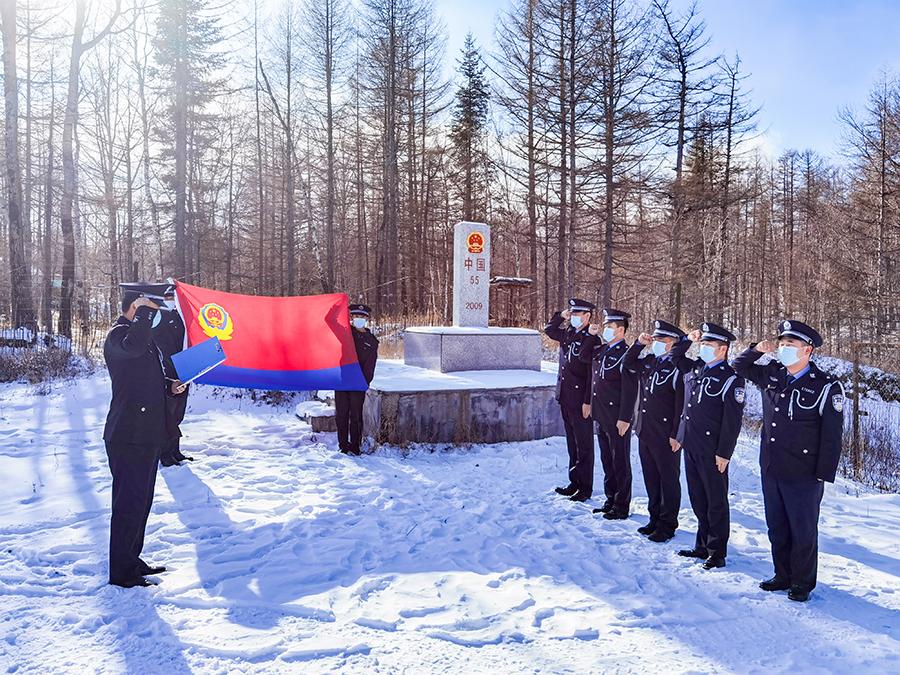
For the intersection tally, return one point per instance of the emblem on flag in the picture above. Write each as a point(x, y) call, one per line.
point(215, 321)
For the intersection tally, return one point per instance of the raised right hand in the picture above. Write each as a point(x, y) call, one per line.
point(645, 339)
point(765, 346)
point(145, 302)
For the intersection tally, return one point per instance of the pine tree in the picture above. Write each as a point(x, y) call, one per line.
point(470, 118)
point(186, 39)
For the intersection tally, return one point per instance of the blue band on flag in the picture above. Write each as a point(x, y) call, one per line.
point(343, 378)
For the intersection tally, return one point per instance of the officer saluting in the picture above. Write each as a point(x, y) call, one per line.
point(660, 400)
point(800, 449)
point(135, 434)
point(613, 390)
point(574, 395)
point(710, 424)
point(348, 405)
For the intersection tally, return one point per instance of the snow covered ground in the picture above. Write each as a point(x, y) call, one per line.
point(286, 556)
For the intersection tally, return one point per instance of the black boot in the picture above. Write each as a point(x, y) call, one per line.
point(775, 584)
point(615, 514)
point(176, 453)
point(606, 508)
point(693, 553)
point(130, 583)
point(647, 529)
point(798, 594)
point(661, 536)
point(580, 496)
point(567, 491)
point(168, 460)
point(714, 563)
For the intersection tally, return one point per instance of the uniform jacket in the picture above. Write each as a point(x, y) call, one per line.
point(613, 384)
point(366, 352)
point(573, 382)
point(713, 407)
point(660, 392)
point(137, 412)
point(802, 421)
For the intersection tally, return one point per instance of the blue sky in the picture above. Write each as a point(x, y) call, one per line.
point(806, 58)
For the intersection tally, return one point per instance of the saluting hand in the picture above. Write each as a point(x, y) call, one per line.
point(145, 302)
point(765, 346)
point(695, 335)
point(565, 314)
point(594, 329)
point(622, 427)
point(721, 464)
point(645, 339)
point(585, 410)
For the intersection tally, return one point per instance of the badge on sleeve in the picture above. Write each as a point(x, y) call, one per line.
point(739, 394)
point(837, 402)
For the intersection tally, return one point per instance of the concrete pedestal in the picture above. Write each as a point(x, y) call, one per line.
point(450, 349)
point(406, 404)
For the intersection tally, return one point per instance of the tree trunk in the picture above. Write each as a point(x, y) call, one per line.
point(20, 272)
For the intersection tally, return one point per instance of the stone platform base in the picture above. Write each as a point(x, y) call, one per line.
point(450, 349)
point(406, 404)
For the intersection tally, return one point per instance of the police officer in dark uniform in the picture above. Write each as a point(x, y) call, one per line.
point(573, 392)
point(803, 421)
point(710, 424)
point(135, 434)
point(168, 334)
point(613, 390)
point(660, 401)
point(348, 405)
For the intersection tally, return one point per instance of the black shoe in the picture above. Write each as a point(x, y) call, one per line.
point(179, 457)
point(345, 451)
point(661, 536)
point(647, 529)
point(580, 496)
point(614, 514)
point(567, 491)
point(606, 508)
point(153, 569)
point(168, 460)
point(693, 553)
point(797, 594)
point(714, 563)
point(775, 584)
point(130, 583)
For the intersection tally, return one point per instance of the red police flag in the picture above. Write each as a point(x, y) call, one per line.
point(290, 344)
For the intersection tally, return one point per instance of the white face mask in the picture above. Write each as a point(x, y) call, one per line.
point(359, 322)
point(576, 321)
point(658, 347)
point(707, 353)
point(608, 334)
point(788, 355)
point(169, 304)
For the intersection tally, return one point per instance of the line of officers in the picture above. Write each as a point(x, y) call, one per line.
point(693, 406)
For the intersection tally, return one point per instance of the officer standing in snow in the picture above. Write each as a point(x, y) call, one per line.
point(613, 390)
point(660, 401)
point(348, 405)
point(803, 421)
point(574, 395)
point(710, 424)
point(168, 334)
point(136, 433)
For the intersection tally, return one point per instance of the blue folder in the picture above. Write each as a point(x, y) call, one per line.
point(198, 360)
